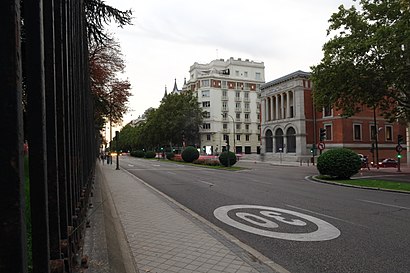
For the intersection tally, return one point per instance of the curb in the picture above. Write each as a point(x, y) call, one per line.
point(315, 179)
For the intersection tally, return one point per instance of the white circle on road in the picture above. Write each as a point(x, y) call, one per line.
point(324, 232)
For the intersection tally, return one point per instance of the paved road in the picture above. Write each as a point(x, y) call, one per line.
point(303, 226)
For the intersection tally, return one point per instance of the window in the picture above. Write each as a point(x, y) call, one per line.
point(247, 106)
point(224, 93)
point(328, 128)
point(238, 126)
point(245, 74)
point(225, 125)
point(238, 105)
point(291, 140)
point(268, 141)
point(206, 104)
point(247, 127)
point(247, 137)
point(374, 133)
point(206, 114)
point(224, 85)
point(257, 75)
point(238, 116)
point(357, 132)
point(208, 137)
point(206, 126)
point(224, 105)
point(246, 95)
point(238, 137)
point(279, 141)
point(237, 94)
point(205, 93)
point(205, 83)
point(246, 116)
point(226, 137)
point(327, 111)
point(237, 73)
point(389, 133)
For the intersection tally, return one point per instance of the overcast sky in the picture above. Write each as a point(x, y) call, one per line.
point(167, 37)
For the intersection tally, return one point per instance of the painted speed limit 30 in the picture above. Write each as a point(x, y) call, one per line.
point(276, 223)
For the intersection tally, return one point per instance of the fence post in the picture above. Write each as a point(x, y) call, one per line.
point(13, 250)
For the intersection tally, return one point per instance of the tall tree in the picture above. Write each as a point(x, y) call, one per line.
point(367, 61)
point(110, 93)
point(98, 15)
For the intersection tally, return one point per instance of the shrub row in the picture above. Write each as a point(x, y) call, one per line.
point(191, 155)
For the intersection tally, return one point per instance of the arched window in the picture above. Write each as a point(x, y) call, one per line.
point(279, 141)
point(269, 141)
point(291, 140)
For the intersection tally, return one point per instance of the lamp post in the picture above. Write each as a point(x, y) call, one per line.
point(234, 136)
point(233, 126)
point(116, 148)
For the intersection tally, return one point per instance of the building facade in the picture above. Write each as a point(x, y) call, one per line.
point(291, 126)
point(228, 92)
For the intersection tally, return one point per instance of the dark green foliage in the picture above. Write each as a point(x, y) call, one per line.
point(223, 158)
point(150, 154)
point(170, 155)
point(138, 153)
point(340, 163)
point(190, 154)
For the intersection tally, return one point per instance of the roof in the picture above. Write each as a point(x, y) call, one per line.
point(291, 76)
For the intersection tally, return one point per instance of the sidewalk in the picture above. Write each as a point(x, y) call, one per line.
point(155, 234)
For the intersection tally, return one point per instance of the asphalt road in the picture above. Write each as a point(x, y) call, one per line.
point(304, 226)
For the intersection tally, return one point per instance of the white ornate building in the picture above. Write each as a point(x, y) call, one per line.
point(228, 92)
point(285, 118)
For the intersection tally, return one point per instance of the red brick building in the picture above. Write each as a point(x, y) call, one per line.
point(290, 126)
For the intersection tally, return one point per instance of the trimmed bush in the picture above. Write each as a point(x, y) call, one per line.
point(138, 153)
point(190, 154)
point(339, 163)
point(150, 154)
point(223, 158)
point(170, 155)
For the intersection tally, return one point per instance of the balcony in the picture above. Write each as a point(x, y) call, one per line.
point(224, 97)
point(238, 109)
point(238, 99)
point(247, 110)
point(225, 109)
point(246, 99)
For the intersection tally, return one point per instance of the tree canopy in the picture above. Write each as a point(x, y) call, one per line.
point(177, 119)
point(110, 93)
point(367, 61)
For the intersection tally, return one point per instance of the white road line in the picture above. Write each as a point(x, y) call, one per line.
point(172, 173)
point(205, 182)
point(383, 204)
point(325, 215)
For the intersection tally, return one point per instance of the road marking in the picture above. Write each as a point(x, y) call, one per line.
point(171, 173)
point(130, 165)
point(325, 215)
point(383, 204)
point(273, 218)
point(205, 182)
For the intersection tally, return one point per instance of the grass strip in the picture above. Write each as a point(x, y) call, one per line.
point(371, 183)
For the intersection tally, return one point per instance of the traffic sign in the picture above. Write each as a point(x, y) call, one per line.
point(321, 146)
point(399, 148)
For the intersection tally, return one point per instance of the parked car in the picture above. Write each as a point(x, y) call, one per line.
point(388, 162)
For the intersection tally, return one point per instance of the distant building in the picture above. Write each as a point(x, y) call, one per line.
point(228, 91)
point(291, 126)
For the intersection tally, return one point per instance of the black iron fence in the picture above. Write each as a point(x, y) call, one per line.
point(44, 78)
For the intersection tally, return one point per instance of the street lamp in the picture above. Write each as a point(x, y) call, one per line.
point(233, 126)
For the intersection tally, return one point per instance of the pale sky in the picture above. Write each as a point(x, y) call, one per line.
point(167, 37)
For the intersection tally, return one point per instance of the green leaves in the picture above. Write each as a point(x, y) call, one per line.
point(367, 61)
